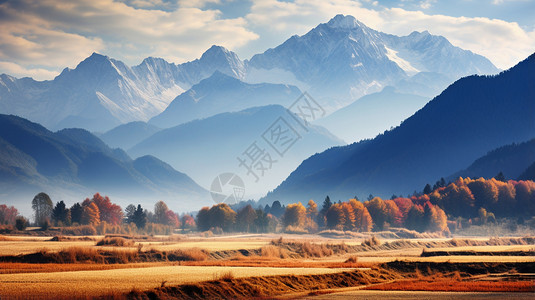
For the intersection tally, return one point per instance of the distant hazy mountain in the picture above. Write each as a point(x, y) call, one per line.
point(73, 163)
point(512, 160)
point(372, 114)
point(344, 60)
point(205, 148)
point(471, 117)
point(127, 135)
point(222, 93)
point(101, 92)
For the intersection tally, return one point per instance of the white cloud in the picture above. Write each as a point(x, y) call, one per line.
point(426, 4)
point(40, 35)
point(504, 43)
point(49, 33)
point(16, 70)
point(197, 3)
point(498, 2)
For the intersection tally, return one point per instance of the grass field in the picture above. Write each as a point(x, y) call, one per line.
point(97, 283)
point(193, 259)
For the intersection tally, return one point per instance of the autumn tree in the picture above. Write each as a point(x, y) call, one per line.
point(458, 200)
point(335, 217)
point(349, 216)
point(525, 198)
point(109, 212)
point(484, 191)
point(90, 214)
point(172, 219)
point(187, 222)
point(160, 212)
point(363, 220)
point(434, 219)
point(294, 216)
point(222, 216)
point(312, 209)
point(377, 209)
point(8, 214)
point(245, 218)
point(404, 205)
point(393, 214)
point(312, 216)
point(42, 206)
point(415, 218)
point(203, 219)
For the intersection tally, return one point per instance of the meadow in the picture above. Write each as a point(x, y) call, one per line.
point(252, 265)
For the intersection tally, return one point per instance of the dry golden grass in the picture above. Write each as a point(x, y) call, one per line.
point(115, 241)
point(279, 263)
point(24, 246)
point(210, 245)
point(14, 268)
point(97, 283)
point(449, 285)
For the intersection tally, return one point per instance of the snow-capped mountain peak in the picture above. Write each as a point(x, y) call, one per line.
point(345, 22)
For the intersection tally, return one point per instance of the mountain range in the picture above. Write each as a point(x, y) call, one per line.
point(337, 62)
point(75, 163)
point(208, 147)
point(343, 60)
point(474, 115)
point(221, 93)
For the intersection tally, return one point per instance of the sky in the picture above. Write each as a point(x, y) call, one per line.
point(38, 38)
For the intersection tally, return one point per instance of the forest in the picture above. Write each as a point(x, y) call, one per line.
point(444, 208)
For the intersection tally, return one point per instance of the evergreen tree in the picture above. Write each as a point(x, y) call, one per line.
point(76, 213)
point(500, 177)
point(129, 211)
point(140, 217)
point(61, 213)
point(427, 189)
point(324, 209)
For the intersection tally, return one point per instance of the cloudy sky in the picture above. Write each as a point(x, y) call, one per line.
point(38, 38)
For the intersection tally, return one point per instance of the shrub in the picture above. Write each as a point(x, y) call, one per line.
point(352, 259)
point(191, 254)
point(6, 229)
point(21, 223)
point(373, 241)
point(45, 225)
point(225, 276)
point(79, 230)
point(115, 241)
point(316, 250)
point(273, 252)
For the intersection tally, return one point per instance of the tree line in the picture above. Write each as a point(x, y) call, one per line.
point(437, 209)
point(97, 211)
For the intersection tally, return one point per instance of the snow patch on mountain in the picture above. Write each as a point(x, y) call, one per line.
point(405, 65)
